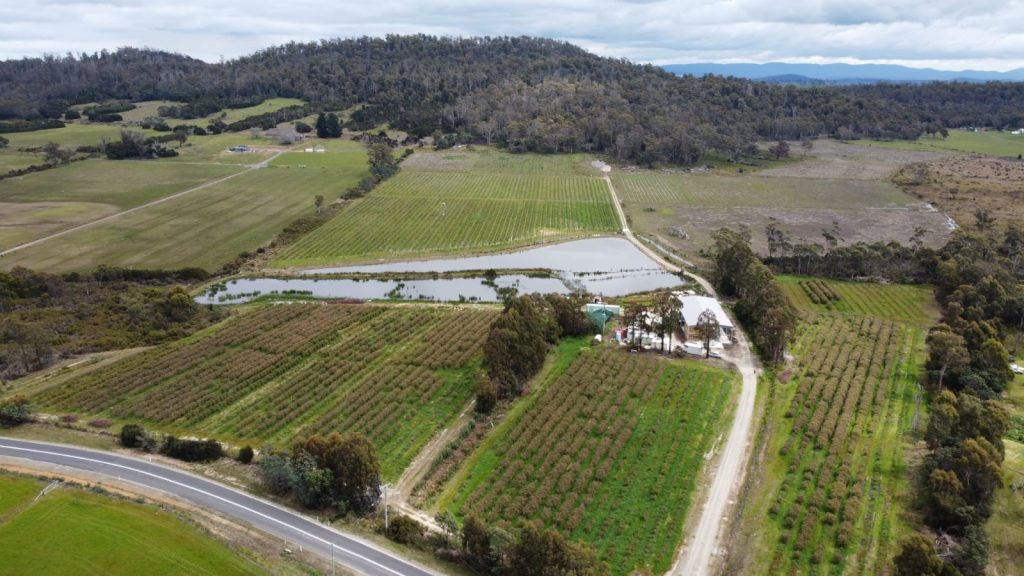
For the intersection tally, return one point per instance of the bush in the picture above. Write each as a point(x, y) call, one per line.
point(132, 435)
point(14, 411)
point(276, 471)
point(72, 115)
point(486, 397)
point(192, 450)
point(245, 455)
point(404, 530)
point(101, 423)
point(69, 418)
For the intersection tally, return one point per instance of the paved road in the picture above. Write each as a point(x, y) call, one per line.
point(352, 553)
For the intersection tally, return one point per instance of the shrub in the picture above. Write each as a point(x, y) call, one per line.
point(245, 455)
point(69, 418)
point(132, 435)
point(100, 423)
point(192, 450)
point(404, 530)
point(14, 411)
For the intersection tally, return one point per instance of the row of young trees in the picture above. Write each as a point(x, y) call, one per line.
point(762, 306)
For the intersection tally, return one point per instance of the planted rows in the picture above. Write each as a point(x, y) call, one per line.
point(608, 454)
point(420, 213)
point(818, 291)
point(833, 507)
point(386, 371)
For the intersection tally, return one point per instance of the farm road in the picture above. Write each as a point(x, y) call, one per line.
point(697, 557)
point(249, 168)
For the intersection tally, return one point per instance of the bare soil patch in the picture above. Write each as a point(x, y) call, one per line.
point(961, 185)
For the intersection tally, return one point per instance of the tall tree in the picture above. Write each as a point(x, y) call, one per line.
point(708, 329)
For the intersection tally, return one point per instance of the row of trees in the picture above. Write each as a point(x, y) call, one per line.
point(762, 306)
point(537, 552)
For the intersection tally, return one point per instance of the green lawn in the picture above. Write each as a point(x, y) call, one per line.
point(16, 161)
point(441, 206)
point(15, 493)
point(608, 452)
point(992, 143)
point(149, 109)
point(72, 532)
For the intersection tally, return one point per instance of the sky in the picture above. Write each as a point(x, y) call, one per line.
point(944, 34)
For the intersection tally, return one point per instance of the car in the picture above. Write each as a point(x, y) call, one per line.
point(1017, 369)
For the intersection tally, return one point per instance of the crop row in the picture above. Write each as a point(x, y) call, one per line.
point(841, 397)
point(818, 291)
point(613, 428)
point(461, 186)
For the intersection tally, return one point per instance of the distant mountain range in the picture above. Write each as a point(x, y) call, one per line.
point(822, 74)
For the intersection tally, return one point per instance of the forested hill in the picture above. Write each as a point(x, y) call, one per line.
point(522, 93)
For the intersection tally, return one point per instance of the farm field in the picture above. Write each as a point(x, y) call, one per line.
point(17, 161)
point(73, 135)
point(900, 302)
point(670, 205)
point(149, 109)
point(990, 142)
point(608, 453)
point(397, 374)
point(92, 531)
point(46, 202)
point(832, 491)
point(205, 228)
point(431, 207)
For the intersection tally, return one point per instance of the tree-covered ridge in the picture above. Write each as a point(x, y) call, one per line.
point(527, 94)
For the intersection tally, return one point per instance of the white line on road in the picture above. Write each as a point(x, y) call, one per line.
point(211, 495)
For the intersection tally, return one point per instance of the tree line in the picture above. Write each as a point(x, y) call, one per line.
point(762, 306)
point(525, 94)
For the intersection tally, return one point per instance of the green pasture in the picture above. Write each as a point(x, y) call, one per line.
point(905, 303)
point(72, 532)
point(989, 142)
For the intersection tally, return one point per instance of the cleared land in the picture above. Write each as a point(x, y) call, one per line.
point(608, 452)
point(801, 200)
point(900, 302)
point(73, 532)
point(989, 142)
point(962, 185)
point(397, 374)
point(72, 135)
point(459, 203)
point(230, 115)
point(830, 489)
point(205, 228)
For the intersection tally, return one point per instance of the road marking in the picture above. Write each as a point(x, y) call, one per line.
point(211, 495)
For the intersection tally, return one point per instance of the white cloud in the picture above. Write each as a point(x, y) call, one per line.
point(949, 34)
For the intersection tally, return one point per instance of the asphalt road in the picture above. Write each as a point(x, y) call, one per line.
point(354, 554)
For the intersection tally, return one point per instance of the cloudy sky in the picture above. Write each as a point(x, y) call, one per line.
point(947, 34)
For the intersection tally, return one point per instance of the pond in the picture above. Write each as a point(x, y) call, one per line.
point(606, 266)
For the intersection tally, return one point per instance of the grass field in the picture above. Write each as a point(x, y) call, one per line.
point(72, 532)
point(992, 143)
point(397, 374)
point(15, 493)
point(900, 302)
point(205, 228)
point(230, 115)
point(149, 109)
point(608, 453)
point(17, 161)
point(436, 207)
point(833, 490)
point(667, 205)
point(1006, 526)
point(71, 136)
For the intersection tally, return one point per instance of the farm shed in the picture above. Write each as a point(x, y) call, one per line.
point(691, 307)
point(602, 313)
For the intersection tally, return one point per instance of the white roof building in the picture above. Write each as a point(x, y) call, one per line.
point(693, 306)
